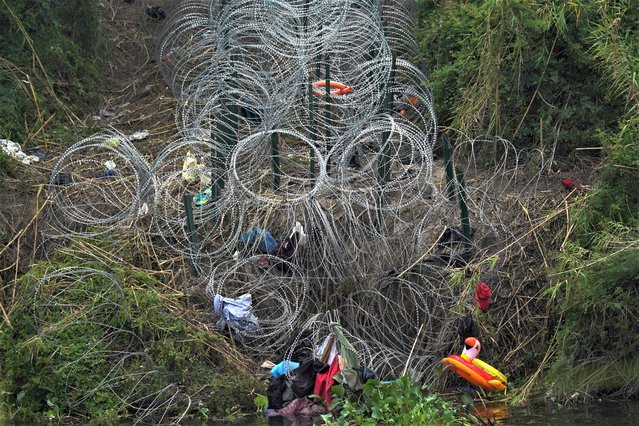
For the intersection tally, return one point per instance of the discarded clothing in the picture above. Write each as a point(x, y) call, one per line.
point(283, 368)
point(13, 149)
point(349, 363)
point(235, 313)
point(324, 382)
point(261, 238)
point(570, 184)
point(296, 238)
point(303, 377)
point(39, 153)
point(287, 250)
point(61, 179)
point(327, 351)
point(366, 374)
point(466, 328)
point(482, 296)
point(203, 197)
point(299, 346)
point(300, 407)
point(107, 173)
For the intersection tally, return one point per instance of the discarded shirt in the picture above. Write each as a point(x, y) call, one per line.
point(235, 313)
point(263, 238)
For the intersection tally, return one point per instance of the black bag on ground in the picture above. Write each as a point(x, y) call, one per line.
point(278, 392)
point(303, 377)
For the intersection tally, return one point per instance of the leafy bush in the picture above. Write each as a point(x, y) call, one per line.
point(401, 401)
point(509, 68)
point(104, 344)
point(600, 269)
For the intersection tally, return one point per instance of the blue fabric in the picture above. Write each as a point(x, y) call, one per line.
point(265, 241)
point(236, 313)
point(106, 174)
point(283, 368)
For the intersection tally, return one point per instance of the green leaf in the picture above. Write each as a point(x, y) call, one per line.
point(338, 390)
point(467, 399)
point(261, 402)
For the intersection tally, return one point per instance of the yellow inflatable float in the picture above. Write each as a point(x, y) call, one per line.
point(474, 370)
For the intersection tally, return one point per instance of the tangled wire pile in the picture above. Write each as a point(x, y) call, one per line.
point(356, 168)
point(265, 143)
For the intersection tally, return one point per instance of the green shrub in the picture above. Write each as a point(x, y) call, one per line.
point(600, 269)
point(402, 402)
point(518, 69)
point(106, 346)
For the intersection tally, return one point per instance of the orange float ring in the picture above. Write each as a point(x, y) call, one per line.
point(473, 374)
point(336, 87)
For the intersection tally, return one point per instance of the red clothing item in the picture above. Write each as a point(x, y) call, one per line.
point(571, 184)
point(568, 184)
point(482, 296)
point(324, 381)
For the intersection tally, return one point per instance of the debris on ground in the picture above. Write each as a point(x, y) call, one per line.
point(155, 12)
point(138, 136)
point(571, 185)
point(112, 113)
point(482, 296)
point(13, 150)
point(235, 313)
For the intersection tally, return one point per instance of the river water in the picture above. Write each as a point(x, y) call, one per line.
point(607, 413)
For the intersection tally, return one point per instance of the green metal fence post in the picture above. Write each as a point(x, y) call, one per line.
point(328, 111)
point(383, 164)
point(225, 139)
point(275, 160)
point(465, 220)
point(190, 232)
point(312, 130)
point(450, 175)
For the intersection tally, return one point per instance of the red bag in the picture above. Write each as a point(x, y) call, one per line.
point(324, 381)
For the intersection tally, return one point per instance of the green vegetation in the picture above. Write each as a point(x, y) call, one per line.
point(7, 167)
point(520, 70)
point(559, 75)
point(554, 75)
point(401, 401)
point(47, 60)
point(599, 271)
point(104, 342)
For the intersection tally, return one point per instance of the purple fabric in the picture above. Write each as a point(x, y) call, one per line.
point(301, 407)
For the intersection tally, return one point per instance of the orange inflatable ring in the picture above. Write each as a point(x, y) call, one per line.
point(472, 373)
point(336, 87)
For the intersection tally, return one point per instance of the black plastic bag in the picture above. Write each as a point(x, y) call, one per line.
point(303, 377)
